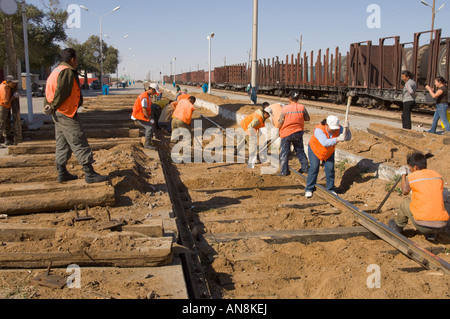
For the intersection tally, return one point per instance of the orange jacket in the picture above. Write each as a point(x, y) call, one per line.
point(138, 113)
point(249, 119)
point(5, 95)
point(71, 104)
point(427, 200)
point(322, 152)
point(294, 119)
point(184, 111)
point(183, 97)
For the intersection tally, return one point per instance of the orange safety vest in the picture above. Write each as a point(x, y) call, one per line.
point(322, 152)
point(184, 111)
point(183, 97)
point(5, 95)
point(294, 119)
point(249, 119)
point(276, 111)
point(71, 104)
point(427, 199)
point(138, 113)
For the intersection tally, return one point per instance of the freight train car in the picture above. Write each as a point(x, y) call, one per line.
point(371, 72)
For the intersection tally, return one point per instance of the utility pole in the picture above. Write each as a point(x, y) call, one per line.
point(433, 14)
point(255, 51)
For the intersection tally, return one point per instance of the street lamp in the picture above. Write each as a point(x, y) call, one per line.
point(301, 44)
point(117, 47)
point(101, 37)
point(434, 12)
point(174, 70)
point(209, 39)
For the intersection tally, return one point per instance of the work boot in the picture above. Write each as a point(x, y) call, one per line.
point(64, 175)
point(92, 177)
point(394, 227)
point(149, 146)
point(9, 142)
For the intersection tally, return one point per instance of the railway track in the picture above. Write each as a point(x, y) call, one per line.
point(420, 117)
point(229, 207)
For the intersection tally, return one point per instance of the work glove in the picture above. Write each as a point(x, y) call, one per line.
point(404, 170)
point(346, 125)
point(341, 138)
point(253, 132)
point(48, 110)
point(152, 122)
point(17, 95)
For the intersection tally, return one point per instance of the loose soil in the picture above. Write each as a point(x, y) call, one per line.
point(230, 198)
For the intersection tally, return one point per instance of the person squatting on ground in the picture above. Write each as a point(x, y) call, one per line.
point(409, 99)
point(441, 96)
point(322, 147)
point(426, 207)
point(7, 95)
point(292, 120)
point(182, 116)
point(63, 97)
point(251, 125)
point(142, 114)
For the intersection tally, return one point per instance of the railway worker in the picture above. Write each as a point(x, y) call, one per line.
point(292, 128)
point(63, 97)
point(165, 120)
point(142, 114)
point(275, 112)
point(7, 95)
point(184, 95)
point(408, 99)
point(182, 116)
point(322, 147)
point(441, 96)
point(251, 125)
point(426, 208)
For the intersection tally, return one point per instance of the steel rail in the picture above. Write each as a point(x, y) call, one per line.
point(407, 247)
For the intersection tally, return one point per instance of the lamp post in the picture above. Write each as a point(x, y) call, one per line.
point(117, 47)
point(174, 70)
point(209, 39)
point(434, 12)
point(301, 44)
point(101, 37)
point(255, 51)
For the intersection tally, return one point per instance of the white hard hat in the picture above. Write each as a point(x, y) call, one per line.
point(156, 87)
point(333, 122)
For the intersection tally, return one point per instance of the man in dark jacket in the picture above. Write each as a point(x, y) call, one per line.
point(63, 98)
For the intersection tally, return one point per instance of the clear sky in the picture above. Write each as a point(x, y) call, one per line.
point(161, 30)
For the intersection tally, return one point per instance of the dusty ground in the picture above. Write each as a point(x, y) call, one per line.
point(140, 191)
point(230, 198)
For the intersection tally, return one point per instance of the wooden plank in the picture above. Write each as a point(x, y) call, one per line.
point(20, 232)
point(304, 236)
point(90, 133)
point(44, 160)
point(50, 147)
point(91, 124)
point(151, 228)
point(147, 252)
point(10, 190)
point(58, 201)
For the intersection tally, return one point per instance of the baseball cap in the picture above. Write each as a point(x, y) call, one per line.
point(156, 87)
point(333, 122)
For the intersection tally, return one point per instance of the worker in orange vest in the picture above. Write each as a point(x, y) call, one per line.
point(426, 208)
point(251, 125)
point(7, 95)
point(63, 97)
point(292, 120)
point(142, 114)
point(183, 95)
point(322, 147)
point(182, 116)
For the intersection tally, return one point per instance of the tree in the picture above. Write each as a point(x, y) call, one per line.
point(45, 31)
point(90, 63)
